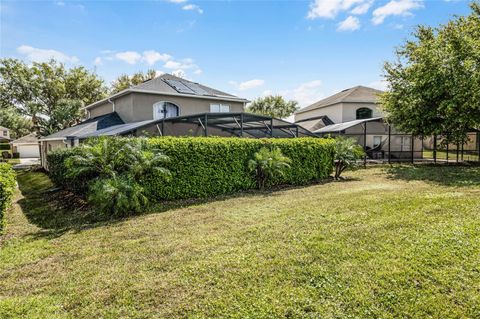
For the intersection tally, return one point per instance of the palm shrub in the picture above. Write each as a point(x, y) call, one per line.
point(267, 164)
point(118, 195)
point(347, 153)
point(119, 166)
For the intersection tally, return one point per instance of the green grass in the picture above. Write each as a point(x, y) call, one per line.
point(452, 155)
point(399, 242)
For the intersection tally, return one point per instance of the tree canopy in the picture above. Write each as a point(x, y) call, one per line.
point(273, 105)
point(125, 81)
point(47, 94)
point(435, 81)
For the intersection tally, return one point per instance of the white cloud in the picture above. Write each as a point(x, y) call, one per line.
point(330, 8)
point(43, 55)
point(184, 64)
point(151, 57)
point(305, 94)
point(198, 72)
point(349, 24)
point(177, 1)
point(362, 8)
point(395, 8)
point(131, 57)
point(60, 3)
point(98, 61)
point(193, 7)
point(158, 73)
point(247, 85)
point(179, 73)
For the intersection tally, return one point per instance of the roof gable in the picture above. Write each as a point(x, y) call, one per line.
point(357, 94)
point(30, 138)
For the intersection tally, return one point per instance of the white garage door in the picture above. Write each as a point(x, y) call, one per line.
point(28, 151)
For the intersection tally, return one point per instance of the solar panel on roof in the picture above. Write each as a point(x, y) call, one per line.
point(180, 87)
point(196, 88)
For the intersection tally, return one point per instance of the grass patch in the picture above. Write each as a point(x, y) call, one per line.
point(388, 243)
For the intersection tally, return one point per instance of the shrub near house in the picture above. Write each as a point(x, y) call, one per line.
point(205, 167)
point(7, 186)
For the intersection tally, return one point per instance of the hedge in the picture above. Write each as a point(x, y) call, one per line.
point(7, 186)
point(206, 166)
point(209, 166)
point(58, 172)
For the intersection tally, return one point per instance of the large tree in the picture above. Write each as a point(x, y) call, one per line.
point(18, 124)
point(125, 81)
point(48, 93)
point(435, 81)
point(273, 105)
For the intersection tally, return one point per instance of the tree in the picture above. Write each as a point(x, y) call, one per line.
point(273, 105)
point(267, 164)
point(18, 124)
point(435, 80)
point(347, 153)
point(125, 81)
point(48, 93)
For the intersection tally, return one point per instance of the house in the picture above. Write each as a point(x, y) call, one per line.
point(356, 113)
point(27, 146)
point(4, 135)
point(169, 105)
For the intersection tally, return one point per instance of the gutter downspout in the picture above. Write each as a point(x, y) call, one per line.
point(113, 104)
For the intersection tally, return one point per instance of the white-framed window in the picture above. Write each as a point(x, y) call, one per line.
point(5, 133)
point(165, 109)
point(219, 108)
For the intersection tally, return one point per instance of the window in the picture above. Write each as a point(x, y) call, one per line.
point(364, 113)
point(219, 108)
point(377, 140)
point(5, 133)
point(164, 109)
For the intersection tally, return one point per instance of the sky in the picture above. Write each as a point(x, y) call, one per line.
point(303, 50)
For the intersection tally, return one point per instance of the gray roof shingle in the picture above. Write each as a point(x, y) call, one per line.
point(357, 94)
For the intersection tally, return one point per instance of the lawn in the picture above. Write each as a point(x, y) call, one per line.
point(389, 242)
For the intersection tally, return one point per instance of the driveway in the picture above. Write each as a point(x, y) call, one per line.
point(27, 163)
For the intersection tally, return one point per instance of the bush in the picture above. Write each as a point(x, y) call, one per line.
point(59, 174)
point(7, 186)
point(347, 153)
point(110, 171)
point(268, 164)
point(209, 166)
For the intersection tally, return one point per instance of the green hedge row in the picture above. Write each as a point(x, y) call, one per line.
point(58, 171)
point(209, 166)
point(203, 167)
point(7, 186)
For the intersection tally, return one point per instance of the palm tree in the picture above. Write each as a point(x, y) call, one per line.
point(267, 164)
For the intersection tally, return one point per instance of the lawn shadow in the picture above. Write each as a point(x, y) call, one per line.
point(57, 211)
point(446, 175)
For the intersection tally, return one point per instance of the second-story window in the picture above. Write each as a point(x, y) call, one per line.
point(364, 113)
point(5, 133)
point(219, 108)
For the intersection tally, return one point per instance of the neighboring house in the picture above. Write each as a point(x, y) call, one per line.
point(4, 135)
point(27, 146)
point(356, 113)
point(359, 102)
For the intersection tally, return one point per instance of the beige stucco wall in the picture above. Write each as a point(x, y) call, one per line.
point(101, 109)
point(334, 112)
point(349, 110)
point(136, 107)
point(340, 112)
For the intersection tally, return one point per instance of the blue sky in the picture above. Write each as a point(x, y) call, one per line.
point(304, 50)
